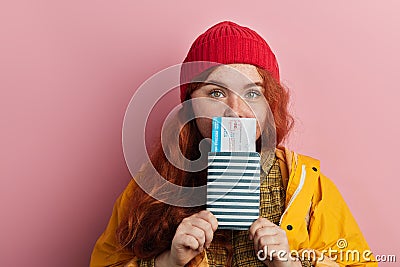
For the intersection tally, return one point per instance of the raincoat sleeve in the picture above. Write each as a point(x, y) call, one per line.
point(106, 251)
point(334, 234)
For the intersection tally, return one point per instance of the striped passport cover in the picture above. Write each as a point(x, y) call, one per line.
point(233, 188)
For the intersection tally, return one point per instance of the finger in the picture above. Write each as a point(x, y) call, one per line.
point(193, 232)
point(187, 227)
point(209, 217)
point(259, 223)
point(198, 234)
point(206, 227)
point(189, 241)
point(278, 245)
point(265, 232)
point(269, 241)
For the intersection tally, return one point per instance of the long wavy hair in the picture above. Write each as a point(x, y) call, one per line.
point(150, 224)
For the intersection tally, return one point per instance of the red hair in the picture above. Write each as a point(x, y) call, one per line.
point(278, 98)
point(150, 224)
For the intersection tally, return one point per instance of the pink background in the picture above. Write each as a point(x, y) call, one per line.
point(69, 68)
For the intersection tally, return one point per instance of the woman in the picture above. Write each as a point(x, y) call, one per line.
point(303, 219)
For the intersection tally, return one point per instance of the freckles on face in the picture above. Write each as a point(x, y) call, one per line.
point(230, 91)
point(204, 109)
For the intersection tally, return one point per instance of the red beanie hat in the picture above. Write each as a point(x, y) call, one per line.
point(227, 43)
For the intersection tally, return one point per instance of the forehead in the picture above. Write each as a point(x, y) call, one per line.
point(235, 74)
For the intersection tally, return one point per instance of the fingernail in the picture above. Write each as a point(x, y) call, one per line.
point(250, 237)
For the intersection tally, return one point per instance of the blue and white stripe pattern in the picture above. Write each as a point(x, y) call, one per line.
point(233, 188)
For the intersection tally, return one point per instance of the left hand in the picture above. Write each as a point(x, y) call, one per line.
point(272, 239)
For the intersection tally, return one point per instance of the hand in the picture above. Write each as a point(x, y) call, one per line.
point(272, 239)
point(193, 234)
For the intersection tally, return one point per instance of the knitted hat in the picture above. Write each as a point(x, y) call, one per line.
point(227, 43)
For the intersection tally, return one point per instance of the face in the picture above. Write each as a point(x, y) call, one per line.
point(233, 90)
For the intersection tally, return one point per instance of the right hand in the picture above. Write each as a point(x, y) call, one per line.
point(193, 234)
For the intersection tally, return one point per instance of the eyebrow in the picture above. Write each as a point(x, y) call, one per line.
point(213, 82)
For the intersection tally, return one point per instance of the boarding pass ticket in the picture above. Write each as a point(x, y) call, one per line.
point(231, 134)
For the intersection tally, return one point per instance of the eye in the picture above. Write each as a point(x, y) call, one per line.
point(216, 93)
point(252, 94)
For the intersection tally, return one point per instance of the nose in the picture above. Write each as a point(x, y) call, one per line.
point(237, 107)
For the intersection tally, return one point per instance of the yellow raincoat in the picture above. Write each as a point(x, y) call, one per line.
point(317, 221)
